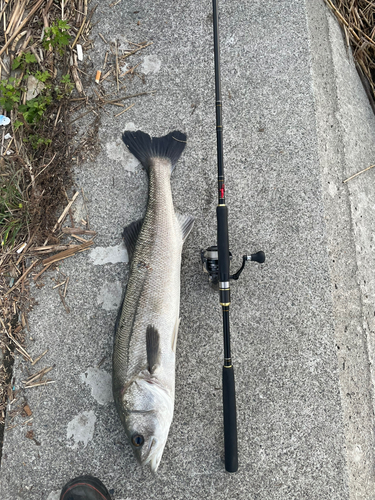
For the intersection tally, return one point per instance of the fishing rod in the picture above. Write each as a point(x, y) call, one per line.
point(216, 262)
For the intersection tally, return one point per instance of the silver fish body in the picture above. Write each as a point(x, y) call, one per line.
point(146, 334)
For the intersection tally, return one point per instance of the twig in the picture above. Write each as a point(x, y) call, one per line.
point(3, 9)
point(40, 383)
point(17, 39)
point(24, 22)
point(77, 230)
point(4, 67)
point(136, 44)
point(21, 423)
point(9, 144)
point(40, 374)
point(38, 60)
point(43, 169)
point(123, 111)
point(82, 115)
point(107, 74)
point(59, 284)
point(26, 247)
point(117, 68)
point(39, 357)
point(23, 352)
point(57, 116)
point(68, 253)
point(22, 277)
point(102, 37)
point(12, 18)
point(358, 173)
point(52, 248)
point(178, 140)
point(65, 212)
point(131, 70)
point(66, 286)
point(87, 213)
point(101, 362)
point(41, 272)
point(76, 78)
point(79, 238)
point(63, 301)
point(136, 50)
point(79, 33)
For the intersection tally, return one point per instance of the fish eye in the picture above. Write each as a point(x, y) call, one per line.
point(138, 440)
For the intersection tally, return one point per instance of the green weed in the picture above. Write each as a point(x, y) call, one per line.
point(22, 61)
point(57, 36)
point(13, 211)
point(42, 76)
point(10, 91)
point(37, 141)
point(67, 85)
point(34, 109)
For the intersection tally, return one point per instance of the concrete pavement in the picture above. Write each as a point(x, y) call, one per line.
point(296, 123)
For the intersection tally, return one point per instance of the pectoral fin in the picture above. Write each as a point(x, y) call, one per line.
point(152, 348)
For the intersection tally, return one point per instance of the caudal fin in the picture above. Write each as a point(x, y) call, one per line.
point(144, 147)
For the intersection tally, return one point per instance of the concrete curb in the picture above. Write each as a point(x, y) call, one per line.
point(346, 133)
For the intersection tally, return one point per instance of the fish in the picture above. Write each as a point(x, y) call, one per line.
point(144, 352)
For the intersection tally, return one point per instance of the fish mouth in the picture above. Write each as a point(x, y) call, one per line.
point(154, 454)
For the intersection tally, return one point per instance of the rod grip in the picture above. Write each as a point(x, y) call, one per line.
point(230, 420)
point(223, 242)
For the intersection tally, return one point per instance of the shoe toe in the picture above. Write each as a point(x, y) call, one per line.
point(85, 488)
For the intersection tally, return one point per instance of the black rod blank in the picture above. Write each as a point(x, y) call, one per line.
point(229, 397)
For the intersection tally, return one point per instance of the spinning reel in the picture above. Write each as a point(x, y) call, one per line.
point(210, 264)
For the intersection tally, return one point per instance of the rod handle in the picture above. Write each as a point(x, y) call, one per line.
point(230, 420)
point(223, 242)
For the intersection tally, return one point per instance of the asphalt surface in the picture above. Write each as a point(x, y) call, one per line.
point(300, 435)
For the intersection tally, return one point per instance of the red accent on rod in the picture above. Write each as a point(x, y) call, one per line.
point(222, 191)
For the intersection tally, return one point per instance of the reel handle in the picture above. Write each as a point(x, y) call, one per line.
point(230, 420)
point(259, 257)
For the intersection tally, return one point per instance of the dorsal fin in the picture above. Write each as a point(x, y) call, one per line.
point(130, 236)
point(152, 347)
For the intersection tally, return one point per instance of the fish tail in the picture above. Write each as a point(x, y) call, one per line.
point(145, 148)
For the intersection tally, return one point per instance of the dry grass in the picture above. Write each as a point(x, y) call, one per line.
point(357, 19)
